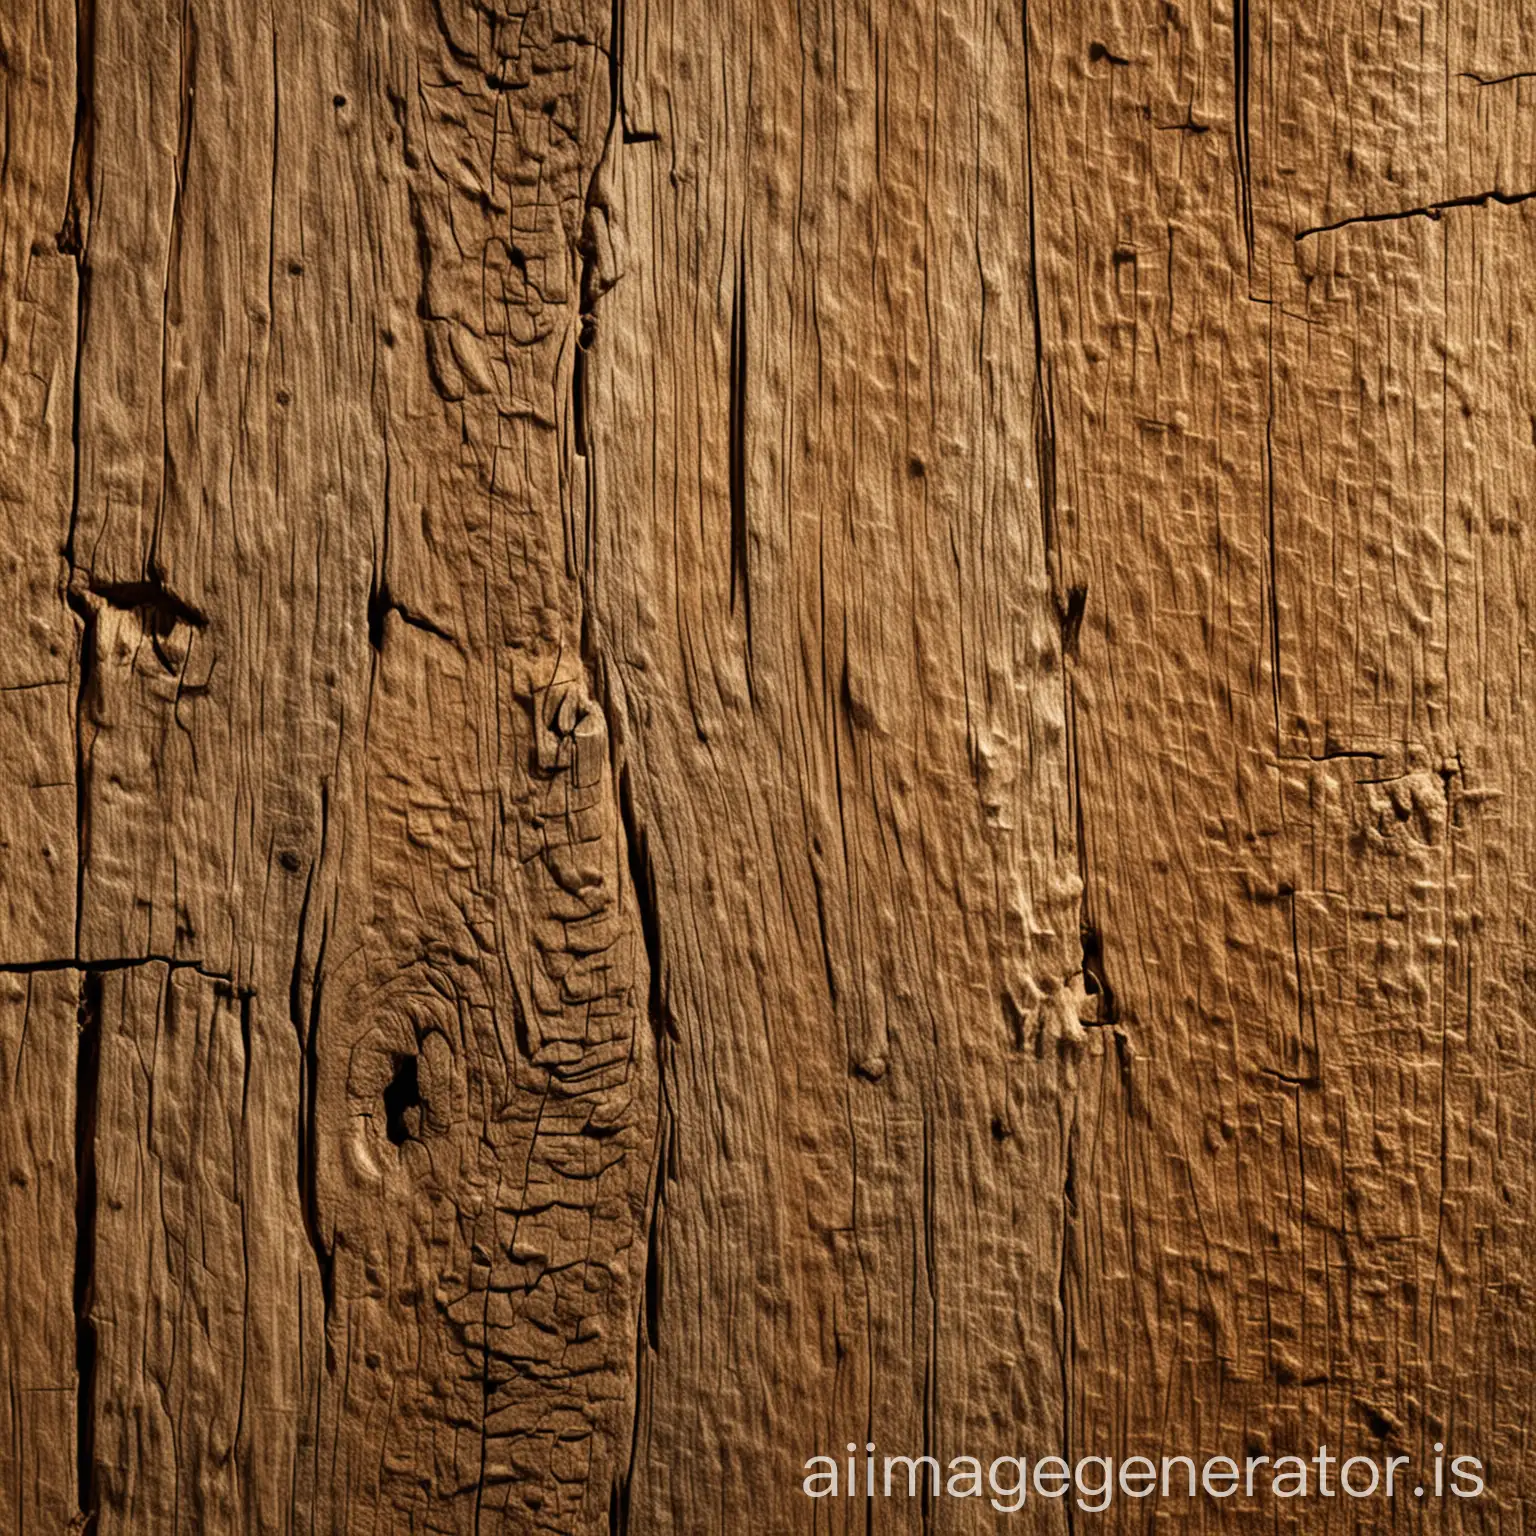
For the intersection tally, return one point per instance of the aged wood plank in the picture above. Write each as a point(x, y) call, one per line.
point(37, 1269)
point(197, 1391)
point(1485, 1353)
point(1287, 1231)
point(1154, 396)
point(484, 1090)
point(173, 495)
point(37, 364)
point(819, 566)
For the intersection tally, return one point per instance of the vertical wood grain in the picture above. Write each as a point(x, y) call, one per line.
point(820, 573)
point(38, 1409)
point(731, 728)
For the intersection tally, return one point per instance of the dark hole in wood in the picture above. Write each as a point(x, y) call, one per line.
point(1072, 619)
point(378, 607)
point(403, 1093)
point(1094, 981)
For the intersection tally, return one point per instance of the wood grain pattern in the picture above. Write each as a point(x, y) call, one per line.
point(38, 1057)
point(737, 728)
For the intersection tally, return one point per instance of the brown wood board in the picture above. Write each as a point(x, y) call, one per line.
point(731, 730)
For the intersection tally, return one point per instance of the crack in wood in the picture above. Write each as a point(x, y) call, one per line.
point(87, 1093)
point(1432, 211)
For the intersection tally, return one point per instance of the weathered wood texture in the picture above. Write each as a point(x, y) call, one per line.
point(730, 727)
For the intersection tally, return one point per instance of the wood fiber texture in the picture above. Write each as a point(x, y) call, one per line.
point(735, 725)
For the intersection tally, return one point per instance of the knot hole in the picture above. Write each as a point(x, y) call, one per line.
point(402, 1100)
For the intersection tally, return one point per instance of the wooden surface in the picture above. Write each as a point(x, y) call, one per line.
point(734, 727)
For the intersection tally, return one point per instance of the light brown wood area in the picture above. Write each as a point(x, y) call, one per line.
point(732, 726)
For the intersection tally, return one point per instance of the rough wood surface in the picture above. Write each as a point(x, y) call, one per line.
point(730, 728)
